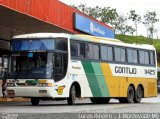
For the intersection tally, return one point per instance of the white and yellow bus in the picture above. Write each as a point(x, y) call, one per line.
point(62, 66)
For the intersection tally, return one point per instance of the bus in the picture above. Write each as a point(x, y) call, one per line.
point(61, 66)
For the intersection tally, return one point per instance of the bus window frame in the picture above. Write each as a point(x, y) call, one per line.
point(106, 45)
point(74, 41)
point(123, 62)
point(113, 53)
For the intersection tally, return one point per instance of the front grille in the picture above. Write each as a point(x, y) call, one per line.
point(20, 84)
point(30, 84)
point(26, 84)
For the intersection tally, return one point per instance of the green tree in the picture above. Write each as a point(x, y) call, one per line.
point(83, 8)
point(94, 12)
point(123, 27)
point(135, 18)
point(115, 25)
point(130, 29)
point(109, 15)
point(91, 11)
point(149, 21)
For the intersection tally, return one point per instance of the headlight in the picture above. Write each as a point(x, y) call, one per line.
point(45, 84)
point(10, 84)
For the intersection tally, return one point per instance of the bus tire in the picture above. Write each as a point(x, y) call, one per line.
point(100, 100)
point(138, 95)
point(130, 94)
point(72, 96)
point(35, 101)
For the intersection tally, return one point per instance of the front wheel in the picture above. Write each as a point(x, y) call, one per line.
point(138, 95)
point(35, 101)
point(72, 96)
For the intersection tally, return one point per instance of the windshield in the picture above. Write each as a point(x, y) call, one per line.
point(39, 44)
point(39, 58)
point(31, 65)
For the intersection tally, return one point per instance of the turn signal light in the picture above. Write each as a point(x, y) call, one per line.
point(45, 84)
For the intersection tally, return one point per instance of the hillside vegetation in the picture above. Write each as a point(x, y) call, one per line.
point(140, 40)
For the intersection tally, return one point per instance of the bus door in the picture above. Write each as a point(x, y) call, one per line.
point(58, 67)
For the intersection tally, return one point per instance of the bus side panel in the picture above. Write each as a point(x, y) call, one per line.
point(151, 88)
point(102, 83)
point(96, 79)
point(149, 85)
point(111, 82)
point(134, 75)
point(78, 75)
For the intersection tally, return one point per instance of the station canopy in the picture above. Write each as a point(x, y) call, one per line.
point(15, 23)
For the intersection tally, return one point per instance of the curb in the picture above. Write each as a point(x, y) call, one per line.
point(14, 99)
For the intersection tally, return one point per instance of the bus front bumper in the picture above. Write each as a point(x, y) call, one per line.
point(30, 92)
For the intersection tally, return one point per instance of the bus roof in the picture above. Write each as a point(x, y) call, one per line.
point(88, 38)
point(111, 41)
point(41, 35)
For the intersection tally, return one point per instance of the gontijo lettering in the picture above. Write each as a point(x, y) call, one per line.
point(125, 70)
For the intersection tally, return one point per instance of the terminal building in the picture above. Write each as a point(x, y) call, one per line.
point(33, 16)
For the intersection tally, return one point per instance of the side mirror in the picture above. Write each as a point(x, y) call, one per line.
point(5, 62)
point(0, 66)
point(0, 62)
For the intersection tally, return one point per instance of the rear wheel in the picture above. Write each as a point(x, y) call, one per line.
point(35, 101)
point(72, 97)
point(138, 95)
point(130, 96)
point(100, 100)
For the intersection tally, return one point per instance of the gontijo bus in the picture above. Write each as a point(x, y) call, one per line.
point(62, 66)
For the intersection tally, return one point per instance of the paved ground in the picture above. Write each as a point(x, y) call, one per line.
point(149, 108)
point(151, 105)
point(26, 111)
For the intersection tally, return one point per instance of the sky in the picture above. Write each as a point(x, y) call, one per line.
point(123, 7)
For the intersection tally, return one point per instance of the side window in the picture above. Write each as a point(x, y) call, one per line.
point(92, 51)
point(132, 56)
point(129, 55)
point(107, 53)
point(117, 54)
point(77, 49)
point(120, 55)
point(146, 55)
point(61, 44)
point(135, 56)
point(110, 54)
point(141, 57)
point(123, 55)
point(104, 53)
point(152, 58)
point(89, 51)
point(95, 52)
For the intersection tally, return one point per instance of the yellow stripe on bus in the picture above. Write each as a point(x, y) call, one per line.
point(118, 86)
point(110, 80)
